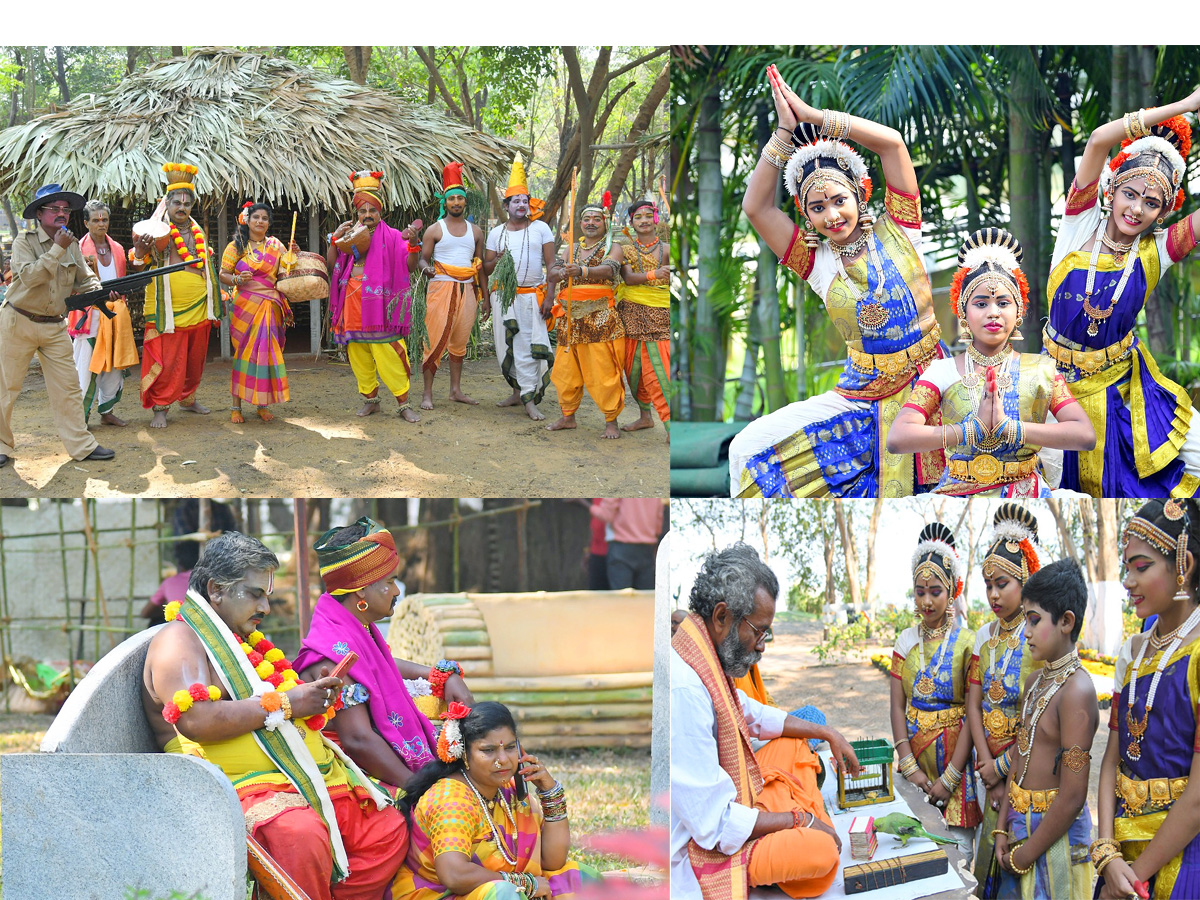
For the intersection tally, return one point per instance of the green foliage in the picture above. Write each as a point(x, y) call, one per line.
point(143, 894)
point(842, 638)
point(804, 601)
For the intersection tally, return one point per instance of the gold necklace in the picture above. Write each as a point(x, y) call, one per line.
point(925, 685)
point(853, 248)
point(989, 361)
point(1011, 635)
point(1049, 680)
point(1118, 249)
point(1137, 728)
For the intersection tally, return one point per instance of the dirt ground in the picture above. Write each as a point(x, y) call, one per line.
point(854, 695)
point(317, 447)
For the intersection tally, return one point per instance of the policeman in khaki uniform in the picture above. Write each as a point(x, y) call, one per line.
point(47, 267)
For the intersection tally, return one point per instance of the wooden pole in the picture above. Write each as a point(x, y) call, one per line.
point(300, 551)
point(222, 242)
point(314, 305)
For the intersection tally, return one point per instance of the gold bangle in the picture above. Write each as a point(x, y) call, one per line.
point(1143, 131)
point(996, 831)
point(286, 704)
point(1125, 121)
point(1012, 863)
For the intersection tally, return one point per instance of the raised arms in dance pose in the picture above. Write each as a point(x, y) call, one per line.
point(874, 285)
point(1105, 264)
point(988, 408)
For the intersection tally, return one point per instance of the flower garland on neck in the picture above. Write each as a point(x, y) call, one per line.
point(202, 251)
point(270, 665)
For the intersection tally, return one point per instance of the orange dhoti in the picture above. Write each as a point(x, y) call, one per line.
point(173, 363)
point(803, 862)
point(449, 313)
point(648, 354)
point(591, 350)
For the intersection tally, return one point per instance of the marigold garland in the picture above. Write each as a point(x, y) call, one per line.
point(202, 251)
point(183, 699)
point(270, 665)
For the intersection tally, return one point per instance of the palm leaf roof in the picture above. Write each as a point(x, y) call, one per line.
point(256, 126)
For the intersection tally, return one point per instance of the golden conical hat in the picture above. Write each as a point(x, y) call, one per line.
point(517, 182)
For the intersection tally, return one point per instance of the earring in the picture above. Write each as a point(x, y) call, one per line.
point(865, 219)
point(362, 605)
point(1180, 594)
point(812, 239)
point(964, 331)
point(1160, 219)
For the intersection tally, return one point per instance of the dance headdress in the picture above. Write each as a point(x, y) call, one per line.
point(604, 207)
point(1159, 158)
point(1163, 524)
point(349, 567)
point(818, 161)
point(936, 558)
point(179, 177)
point(1014, 543)
point(367, 188)
point(519, 184)
point(452, 186)
point(989, 259)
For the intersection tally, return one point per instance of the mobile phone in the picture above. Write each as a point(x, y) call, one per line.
point(344, 666)
point(518, 779)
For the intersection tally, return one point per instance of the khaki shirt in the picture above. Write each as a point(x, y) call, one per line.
point(44, 274)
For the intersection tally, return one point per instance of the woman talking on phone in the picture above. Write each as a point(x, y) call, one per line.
point(476, 831)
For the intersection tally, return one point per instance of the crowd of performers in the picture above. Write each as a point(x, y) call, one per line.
point(388, 781)
point(607, 296)
point(995, 728)
point(1092, 414)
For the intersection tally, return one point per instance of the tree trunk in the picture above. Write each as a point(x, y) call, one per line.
point(1087, 513)
point(14, 97)
point(131, 58)
point(1107, 537)
point(1064, 89)
point(1024, 183)
point(1120, 79)
point(830, 593)
point(707, 379)
point(800, 301)
point(358, 60)
point(637, 128)
point(869, 597)
point(177, 51)
point(60, 74)
point(743, 410)
point(1064, 529)
point(768, 293)
point(841, 514)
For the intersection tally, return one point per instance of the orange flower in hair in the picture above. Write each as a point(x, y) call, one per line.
point(1032, 563)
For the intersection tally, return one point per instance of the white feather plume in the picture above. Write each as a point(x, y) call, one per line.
point(1141, 145)
point(990, 253)
point(945, 551)
point(1011, 530)
point(826, 149)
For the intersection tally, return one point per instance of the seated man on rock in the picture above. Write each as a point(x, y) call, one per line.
point(215, 687)
point(741, 819)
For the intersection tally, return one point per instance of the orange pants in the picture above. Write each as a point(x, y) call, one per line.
point(172, 364)
point(449, 317)
point(642, 371)
point(376, 843)
point(803, 862)
point(594, 366)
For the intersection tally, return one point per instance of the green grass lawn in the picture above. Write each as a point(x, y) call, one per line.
point(607, 790)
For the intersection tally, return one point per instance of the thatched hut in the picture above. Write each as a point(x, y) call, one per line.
point(257, 127)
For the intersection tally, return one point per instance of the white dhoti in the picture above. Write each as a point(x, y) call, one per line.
point(522, 346)
point(101, 391)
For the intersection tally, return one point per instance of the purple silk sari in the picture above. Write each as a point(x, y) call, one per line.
point(386, 298)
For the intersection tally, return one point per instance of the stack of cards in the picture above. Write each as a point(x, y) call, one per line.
point(862, 837)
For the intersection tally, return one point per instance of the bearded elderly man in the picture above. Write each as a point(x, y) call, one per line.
point(213, 686)
point(740, 819)
point(47, 267)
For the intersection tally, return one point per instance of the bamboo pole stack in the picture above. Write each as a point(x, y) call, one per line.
point(554, 712)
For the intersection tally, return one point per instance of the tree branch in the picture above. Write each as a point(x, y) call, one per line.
point(435, 79)
point(617, 73)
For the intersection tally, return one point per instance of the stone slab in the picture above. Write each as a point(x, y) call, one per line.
point(93, 826)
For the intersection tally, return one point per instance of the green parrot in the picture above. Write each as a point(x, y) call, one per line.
point(905, 827)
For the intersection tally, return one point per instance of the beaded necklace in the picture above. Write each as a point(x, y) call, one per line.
point(1049, 680)
point(925, 686)
point(1012, 636)
point(181, 248)
point(973, 379)
point(646, 257)
point(1137, 729)
point(1099, 315)
point(872, 315)
point(524, 247)
point(497, 835)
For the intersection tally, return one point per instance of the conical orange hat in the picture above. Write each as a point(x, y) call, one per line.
point(517, 182)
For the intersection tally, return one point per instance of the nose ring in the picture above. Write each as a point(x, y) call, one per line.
point(496, 765)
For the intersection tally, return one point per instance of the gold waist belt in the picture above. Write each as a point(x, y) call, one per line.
point(1022, 800)
point(985, 469)
point(892, 365)
point(999, 726)
point(1149, 796)
point(931, 720)
point(1087, 361)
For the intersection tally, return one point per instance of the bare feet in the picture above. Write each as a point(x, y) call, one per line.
point(159, 419)
point(565, 423)
point(368, 409)
point(110, 419)
point(611, 432)
point(408, 415)
point(194, 407)
point(427, 400)
point(460, 397)
point(514, 400)
point(534, 412)
point(265, 414)
point(644, 422)
point(236, 417)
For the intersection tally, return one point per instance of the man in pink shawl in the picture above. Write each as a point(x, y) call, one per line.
point(380, 727)
point(370, 303)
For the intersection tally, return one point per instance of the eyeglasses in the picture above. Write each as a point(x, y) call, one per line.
point(56, 209)
point(766, 635)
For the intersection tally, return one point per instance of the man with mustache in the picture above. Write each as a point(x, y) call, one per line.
point(47, 267)
point(591, 341)
point(451, 257)
point(741, 819)
point(180, 308)
point(522, 342)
